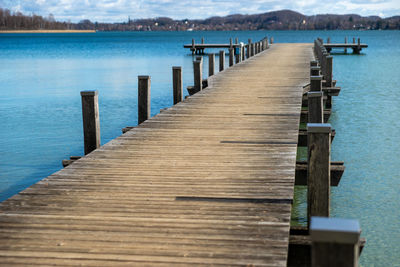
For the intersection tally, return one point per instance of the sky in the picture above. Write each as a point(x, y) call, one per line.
point(120, 10)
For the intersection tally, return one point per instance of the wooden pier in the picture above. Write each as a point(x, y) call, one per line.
point(208, 181)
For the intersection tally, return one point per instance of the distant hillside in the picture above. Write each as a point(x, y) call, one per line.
point(276, 20)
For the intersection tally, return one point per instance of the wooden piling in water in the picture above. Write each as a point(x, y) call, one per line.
point(319, 173)
point(329, 69)
point(248, 49)
point(238, 56)
point(91, 121)
point(177, 84)
point(315, 107)
point(345, 41)
point(236, 40)
point(231, 56)
point(144, 84)
point(202, 40)
point(242, 52)
point(335, 242)
point(193, 47)
point(221, 60)
point(211, 63)
point(252, 49)
point(198, 75)
point(315, 83)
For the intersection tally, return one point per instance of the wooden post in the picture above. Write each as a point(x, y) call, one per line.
point(231, 57)
point(242, 51)
point(318, 172)
point(91, 121)
point(329, 66)
point(221, 60)
point(143, 98)
point(198, 75)
point(252, 49)
point(236, 40)
point(354, 40)
point(315, 71)
point(315, 107)
point(359, 44)
point(335, 242)
point(177, 84)
point(315, 83)
point(329, 40)
point(345, 41)
point(238, 56)
point(211, 62)
point(193, 47)
point(313, 63)
point(272, 40)
point(230, 42)
point(248, 50)
point(202, 40)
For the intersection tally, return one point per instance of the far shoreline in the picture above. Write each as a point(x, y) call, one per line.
point(48, 31)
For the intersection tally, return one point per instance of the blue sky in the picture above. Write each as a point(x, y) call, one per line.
point(119, 10)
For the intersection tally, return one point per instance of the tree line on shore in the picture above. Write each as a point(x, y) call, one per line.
point(277, 20)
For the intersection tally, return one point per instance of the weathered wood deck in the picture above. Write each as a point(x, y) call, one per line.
point(209, 181)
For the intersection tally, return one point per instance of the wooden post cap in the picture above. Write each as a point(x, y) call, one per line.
point(143, 77)
point(315, 94)
point(319, 127)
point(89, 93)
point(335, 230)
point(316, 78)
point(176, 68)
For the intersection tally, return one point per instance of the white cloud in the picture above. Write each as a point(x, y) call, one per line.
point(119, 10)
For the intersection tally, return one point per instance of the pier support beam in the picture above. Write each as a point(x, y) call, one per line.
point(335, 242)
point(221, 60)
point(143, 98)
point(91, 121)
point(198, 75)
point(315, 83)
point(315, 107)
point(231, 56)
point(329, 67)
point(177, 84)
point(319, 172)
point(211, 63)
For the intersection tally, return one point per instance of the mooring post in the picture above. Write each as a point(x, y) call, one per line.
point(315, 83)
point(211, 62)
point(236, 40)
point(335, 242)
point(177, 84)
point(313, 63)
point(231, 56)
point(272, 40)
point(197, 75)
point(315, 107)
point(238, 55)
point(202, 40)
point(345, 41)
point(248, 48)
point(329, 67)
point(318, 172)
point(91, 121)
point(143, 98)
point(354, 40)
point(252, 49)
point(315, 71)
point(221, 60)
point(242, 52)
point(230, 42)
point(359, 44)
point(193, 47)
point(329, 40)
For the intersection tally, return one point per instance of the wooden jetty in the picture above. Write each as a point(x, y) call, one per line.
point(355, 46)
point(208, 181)
point(199, 48)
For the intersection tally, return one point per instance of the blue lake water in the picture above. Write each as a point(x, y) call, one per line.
point(41, 76)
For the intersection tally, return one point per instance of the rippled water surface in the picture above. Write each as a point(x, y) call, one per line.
point(41, 76)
